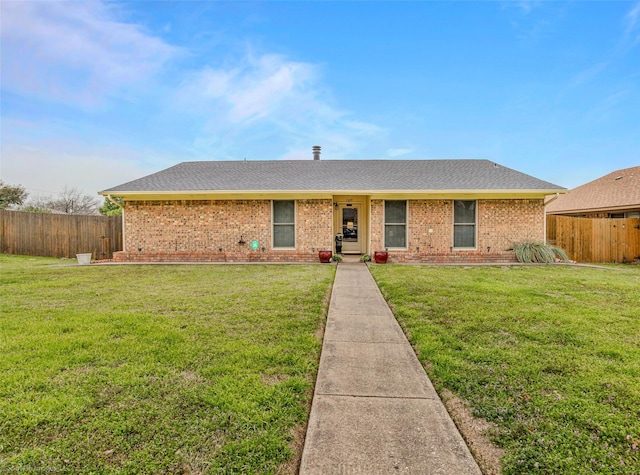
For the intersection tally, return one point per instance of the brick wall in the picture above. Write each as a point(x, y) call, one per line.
point(500, 224)
point(211, 230)
point(314, 225)
point(503, 222)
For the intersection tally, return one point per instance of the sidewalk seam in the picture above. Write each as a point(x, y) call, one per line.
point(372, 396)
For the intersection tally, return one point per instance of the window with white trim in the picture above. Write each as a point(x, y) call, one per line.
point(284, 224)
point(464, 224)
point(395, 224)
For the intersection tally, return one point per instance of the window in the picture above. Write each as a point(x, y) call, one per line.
point(464, 224)
point(395, 224)
point(284, 224)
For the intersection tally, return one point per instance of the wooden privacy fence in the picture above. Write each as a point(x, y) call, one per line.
point(59, 235)
point(595, 239)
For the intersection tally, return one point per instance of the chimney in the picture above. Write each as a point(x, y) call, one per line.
point(316, 152)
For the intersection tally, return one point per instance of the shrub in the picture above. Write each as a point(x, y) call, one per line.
point(529, 252)
point(365, 258)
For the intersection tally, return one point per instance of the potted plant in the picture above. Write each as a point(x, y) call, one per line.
point(381, 257)
point(325, 255)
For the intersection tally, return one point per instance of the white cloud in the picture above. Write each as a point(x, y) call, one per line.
point(609, 106)
point(276, 83)
point(398, 152)
point(267, 98)
point(526, 6)
point(259, 106)
point(632, 20)
point(251, 90)
point(74, 52)
point(587, 75)
point(633, 16)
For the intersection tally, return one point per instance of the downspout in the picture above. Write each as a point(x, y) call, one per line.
point(368, 249)
point(552, 199)
point(115, 202)
point(545, 214)
point(123, 227)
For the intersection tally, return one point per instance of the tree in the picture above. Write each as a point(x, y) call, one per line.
point(34, 209)
point(11, 195)
point(109, 208)
point(70, 201)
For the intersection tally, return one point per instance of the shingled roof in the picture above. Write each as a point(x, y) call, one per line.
point(335, 176)
point(619, 190)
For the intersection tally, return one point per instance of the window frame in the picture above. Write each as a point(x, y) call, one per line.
point(405, 224)
point(474, 224)
point(274, 224)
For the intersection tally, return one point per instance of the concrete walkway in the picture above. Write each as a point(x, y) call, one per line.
point(374, 409)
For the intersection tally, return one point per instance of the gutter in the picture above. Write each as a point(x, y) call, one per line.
point(330, 193)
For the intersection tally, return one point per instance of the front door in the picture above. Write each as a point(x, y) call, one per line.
point(350, 232)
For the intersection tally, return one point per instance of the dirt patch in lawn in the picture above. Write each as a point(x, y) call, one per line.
point(475, 432)
point(299, 433)
point(296, 445)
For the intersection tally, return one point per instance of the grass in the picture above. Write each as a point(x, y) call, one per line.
point(156, 369)
point(550, 355)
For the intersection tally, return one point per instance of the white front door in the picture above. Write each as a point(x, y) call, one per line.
point(351, 241)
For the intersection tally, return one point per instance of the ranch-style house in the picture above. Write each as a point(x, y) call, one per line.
point(289, 210)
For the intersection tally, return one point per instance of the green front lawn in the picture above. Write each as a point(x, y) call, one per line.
point(551, 355)
point(156, 369)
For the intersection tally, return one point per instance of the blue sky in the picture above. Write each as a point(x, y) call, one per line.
point(95, 94)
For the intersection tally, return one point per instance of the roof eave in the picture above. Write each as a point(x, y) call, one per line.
point(328, 194)
point(625, 207)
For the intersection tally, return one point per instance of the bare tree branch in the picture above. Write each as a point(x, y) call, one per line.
point(70, 201)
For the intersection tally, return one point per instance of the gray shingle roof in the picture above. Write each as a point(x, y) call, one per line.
point(335, 176)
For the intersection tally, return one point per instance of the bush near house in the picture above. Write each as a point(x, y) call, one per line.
point(550, 355)
point(533, 252)
point(156, 369)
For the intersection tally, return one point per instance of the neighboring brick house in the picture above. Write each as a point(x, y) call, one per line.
point(616, 195)
point(419, 210)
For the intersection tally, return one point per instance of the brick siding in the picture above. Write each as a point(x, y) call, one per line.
point(500, 223)
point(210, 231)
